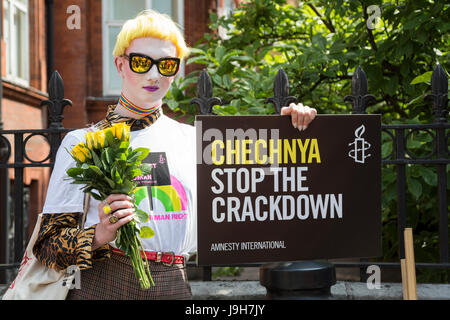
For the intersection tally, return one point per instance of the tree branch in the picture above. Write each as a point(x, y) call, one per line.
point(369, 32)
point(328, 23)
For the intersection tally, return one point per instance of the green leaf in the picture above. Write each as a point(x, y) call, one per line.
point(96, 170)
point(386, 149)
point(138, 154)
point(142, 216)
point(96, 159)
point(73, 172)
point(109, 137)
point(95, 195)
point(109, 155)
point(124, 145)
point(414, 187)
point(227, 81)
point(126, 187)
point(145, 169)
point(423, 78)
point(219, 53)
point(428, 175)
point(146, 232)
point(110, 182)
point(415, 100)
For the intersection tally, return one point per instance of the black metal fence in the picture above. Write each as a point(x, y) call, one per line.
point(400, 156)
point(14, 204)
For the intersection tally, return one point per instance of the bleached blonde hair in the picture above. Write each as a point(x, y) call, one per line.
point(150, 23)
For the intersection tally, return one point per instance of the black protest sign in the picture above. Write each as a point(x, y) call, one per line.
point(159, 175)
point(268, 192)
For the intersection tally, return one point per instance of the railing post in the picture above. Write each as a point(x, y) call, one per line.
point(401, 189)
point(204, 98)
point(281, 95)
point(439, 99)
point(55, 104)
point(18, 197)
point(4, 203)
point(359, 98)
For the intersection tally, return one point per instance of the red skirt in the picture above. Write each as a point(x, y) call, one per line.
point(114, 279)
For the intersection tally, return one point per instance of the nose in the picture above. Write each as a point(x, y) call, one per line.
point(153, 74)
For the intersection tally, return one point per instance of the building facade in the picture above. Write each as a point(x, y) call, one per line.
point(76, 38)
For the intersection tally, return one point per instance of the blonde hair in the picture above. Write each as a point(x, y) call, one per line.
point(150, 23)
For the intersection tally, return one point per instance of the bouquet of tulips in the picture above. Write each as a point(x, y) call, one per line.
point(105, 164)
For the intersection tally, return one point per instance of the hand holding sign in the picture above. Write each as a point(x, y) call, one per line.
point(301, 115)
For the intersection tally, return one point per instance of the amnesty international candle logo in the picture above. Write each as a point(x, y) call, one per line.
point(360, 146)
point(268, 192)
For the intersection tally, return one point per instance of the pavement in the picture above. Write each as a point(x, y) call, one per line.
point(342, 290)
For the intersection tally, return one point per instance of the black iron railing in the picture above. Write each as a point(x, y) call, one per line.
point(21, 160)
point(401, 157)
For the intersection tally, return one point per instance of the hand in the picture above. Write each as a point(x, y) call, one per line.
point(122, 208)
point(301, 115)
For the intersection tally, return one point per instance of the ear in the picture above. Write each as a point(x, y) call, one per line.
point(120, 65)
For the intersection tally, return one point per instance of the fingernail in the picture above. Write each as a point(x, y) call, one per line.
point(106, 209)
point(295, 125)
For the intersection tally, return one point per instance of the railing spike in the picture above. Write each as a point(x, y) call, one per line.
point(204, 98)
point(56, 101)
point(359, 97)
point(281, 96)
point(439, 94)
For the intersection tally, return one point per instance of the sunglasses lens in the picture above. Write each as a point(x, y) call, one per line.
point(168, 67)
point(140, 64)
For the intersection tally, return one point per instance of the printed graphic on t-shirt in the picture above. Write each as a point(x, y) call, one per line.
point(163, 191)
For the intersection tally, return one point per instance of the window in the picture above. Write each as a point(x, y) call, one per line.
point(115, 13)
point(15, 27)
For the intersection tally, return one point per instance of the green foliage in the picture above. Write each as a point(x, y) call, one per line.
point(319, 44)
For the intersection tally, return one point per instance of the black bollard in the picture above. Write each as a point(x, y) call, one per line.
point(300, 280)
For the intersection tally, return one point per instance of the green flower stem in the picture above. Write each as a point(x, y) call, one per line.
point(135, 256)
point(139, 243)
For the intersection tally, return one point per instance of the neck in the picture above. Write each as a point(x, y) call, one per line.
point(127, 109)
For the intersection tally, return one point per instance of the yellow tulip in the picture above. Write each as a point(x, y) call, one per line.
point(116, 129)
point(81, 147)
point(99, 138)
point(126, 132)
point(79, 156)
point(121, 130)
point(86, 151)
point(89, 140)
point(78, 153)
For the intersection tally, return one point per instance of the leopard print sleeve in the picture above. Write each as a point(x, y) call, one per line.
point(61, 244)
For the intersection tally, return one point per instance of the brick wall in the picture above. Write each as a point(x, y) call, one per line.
point(71, 56)
point(21, 108)
point(196, 17)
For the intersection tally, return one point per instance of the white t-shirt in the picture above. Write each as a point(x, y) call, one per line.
point(172, 185)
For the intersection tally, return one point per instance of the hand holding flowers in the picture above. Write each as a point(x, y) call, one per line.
point(106, 167)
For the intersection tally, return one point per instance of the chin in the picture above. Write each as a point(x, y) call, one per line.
point(149, 102)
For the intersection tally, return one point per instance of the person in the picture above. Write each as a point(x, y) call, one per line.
point(147, 55)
